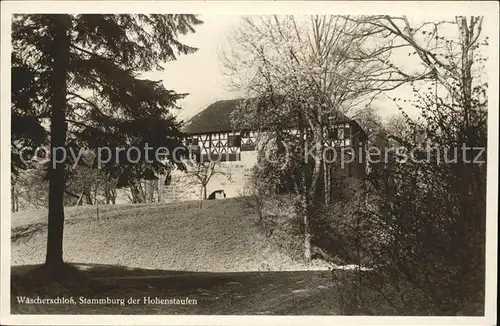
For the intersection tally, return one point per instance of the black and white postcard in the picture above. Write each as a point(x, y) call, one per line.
point(249, 163)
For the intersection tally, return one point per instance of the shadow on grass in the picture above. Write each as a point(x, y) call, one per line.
point(112, 289)
point(240, 293)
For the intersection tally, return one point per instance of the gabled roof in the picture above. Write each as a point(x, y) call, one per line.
point(217, 118)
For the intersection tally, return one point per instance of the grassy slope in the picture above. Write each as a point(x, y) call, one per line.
point(223, 236)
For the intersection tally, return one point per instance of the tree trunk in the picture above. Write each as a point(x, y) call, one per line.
point(107, 194)
point(137, 192)
point(95, 198)
point(57, 139)
point(13, 199)
point(329, 184)
point(318, 161)
point(158, 188)
point(304, 199)
point(204, 192)
point(88, 197)
point(16, 203)
point(152, 188)
point(201, 197)
point(310, 192)
point(307, 229)
point(80, 200)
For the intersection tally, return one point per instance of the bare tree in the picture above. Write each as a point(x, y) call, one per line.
point(311, 70)
point(29, 189)
point(200, 172)
point(143, 191)
point(446, 51)
point(432, 215)
point(14, 194)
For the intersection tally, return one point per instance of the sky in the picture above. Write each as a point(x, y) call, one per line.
point(201, 75)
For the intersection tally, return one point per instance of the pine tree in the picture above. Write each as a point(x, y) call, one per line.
point(81, 75)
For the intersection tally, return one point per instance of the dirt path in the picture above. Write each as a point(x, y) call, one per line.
point(268, 293)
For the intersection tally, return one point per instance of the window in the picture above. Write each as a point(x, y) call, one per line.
point(192, 141)
point(233, 157)
point(334, 134)
point(347, 132)
point(234, 141)
point(343, 133)
point(340, 134)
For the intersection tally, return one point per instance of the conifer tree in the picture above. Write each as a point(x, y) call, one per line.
point(81, 74)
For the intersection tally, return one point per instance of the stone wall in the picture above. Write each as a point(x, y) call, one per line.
point(182, 187)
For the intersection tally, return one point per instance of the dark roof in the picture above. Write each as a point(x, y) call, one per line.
point(217, 118)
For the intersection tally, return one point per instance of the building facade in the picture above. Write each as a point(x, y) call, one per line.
point(210, 134)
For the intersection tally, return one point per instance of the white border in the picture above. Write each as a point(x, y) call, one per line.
point(489, 9)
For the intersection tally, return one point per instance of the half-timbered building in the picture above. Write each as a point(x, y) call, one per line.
point(211, 135)
point(211, 131)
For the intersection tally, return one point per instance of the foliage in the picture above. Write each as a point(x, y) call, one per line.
point(432, 208)
point(303, 74)
point(109, 104)
point(417, 224)
point(257, 191)
point(82, 74)
point(29, 189)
